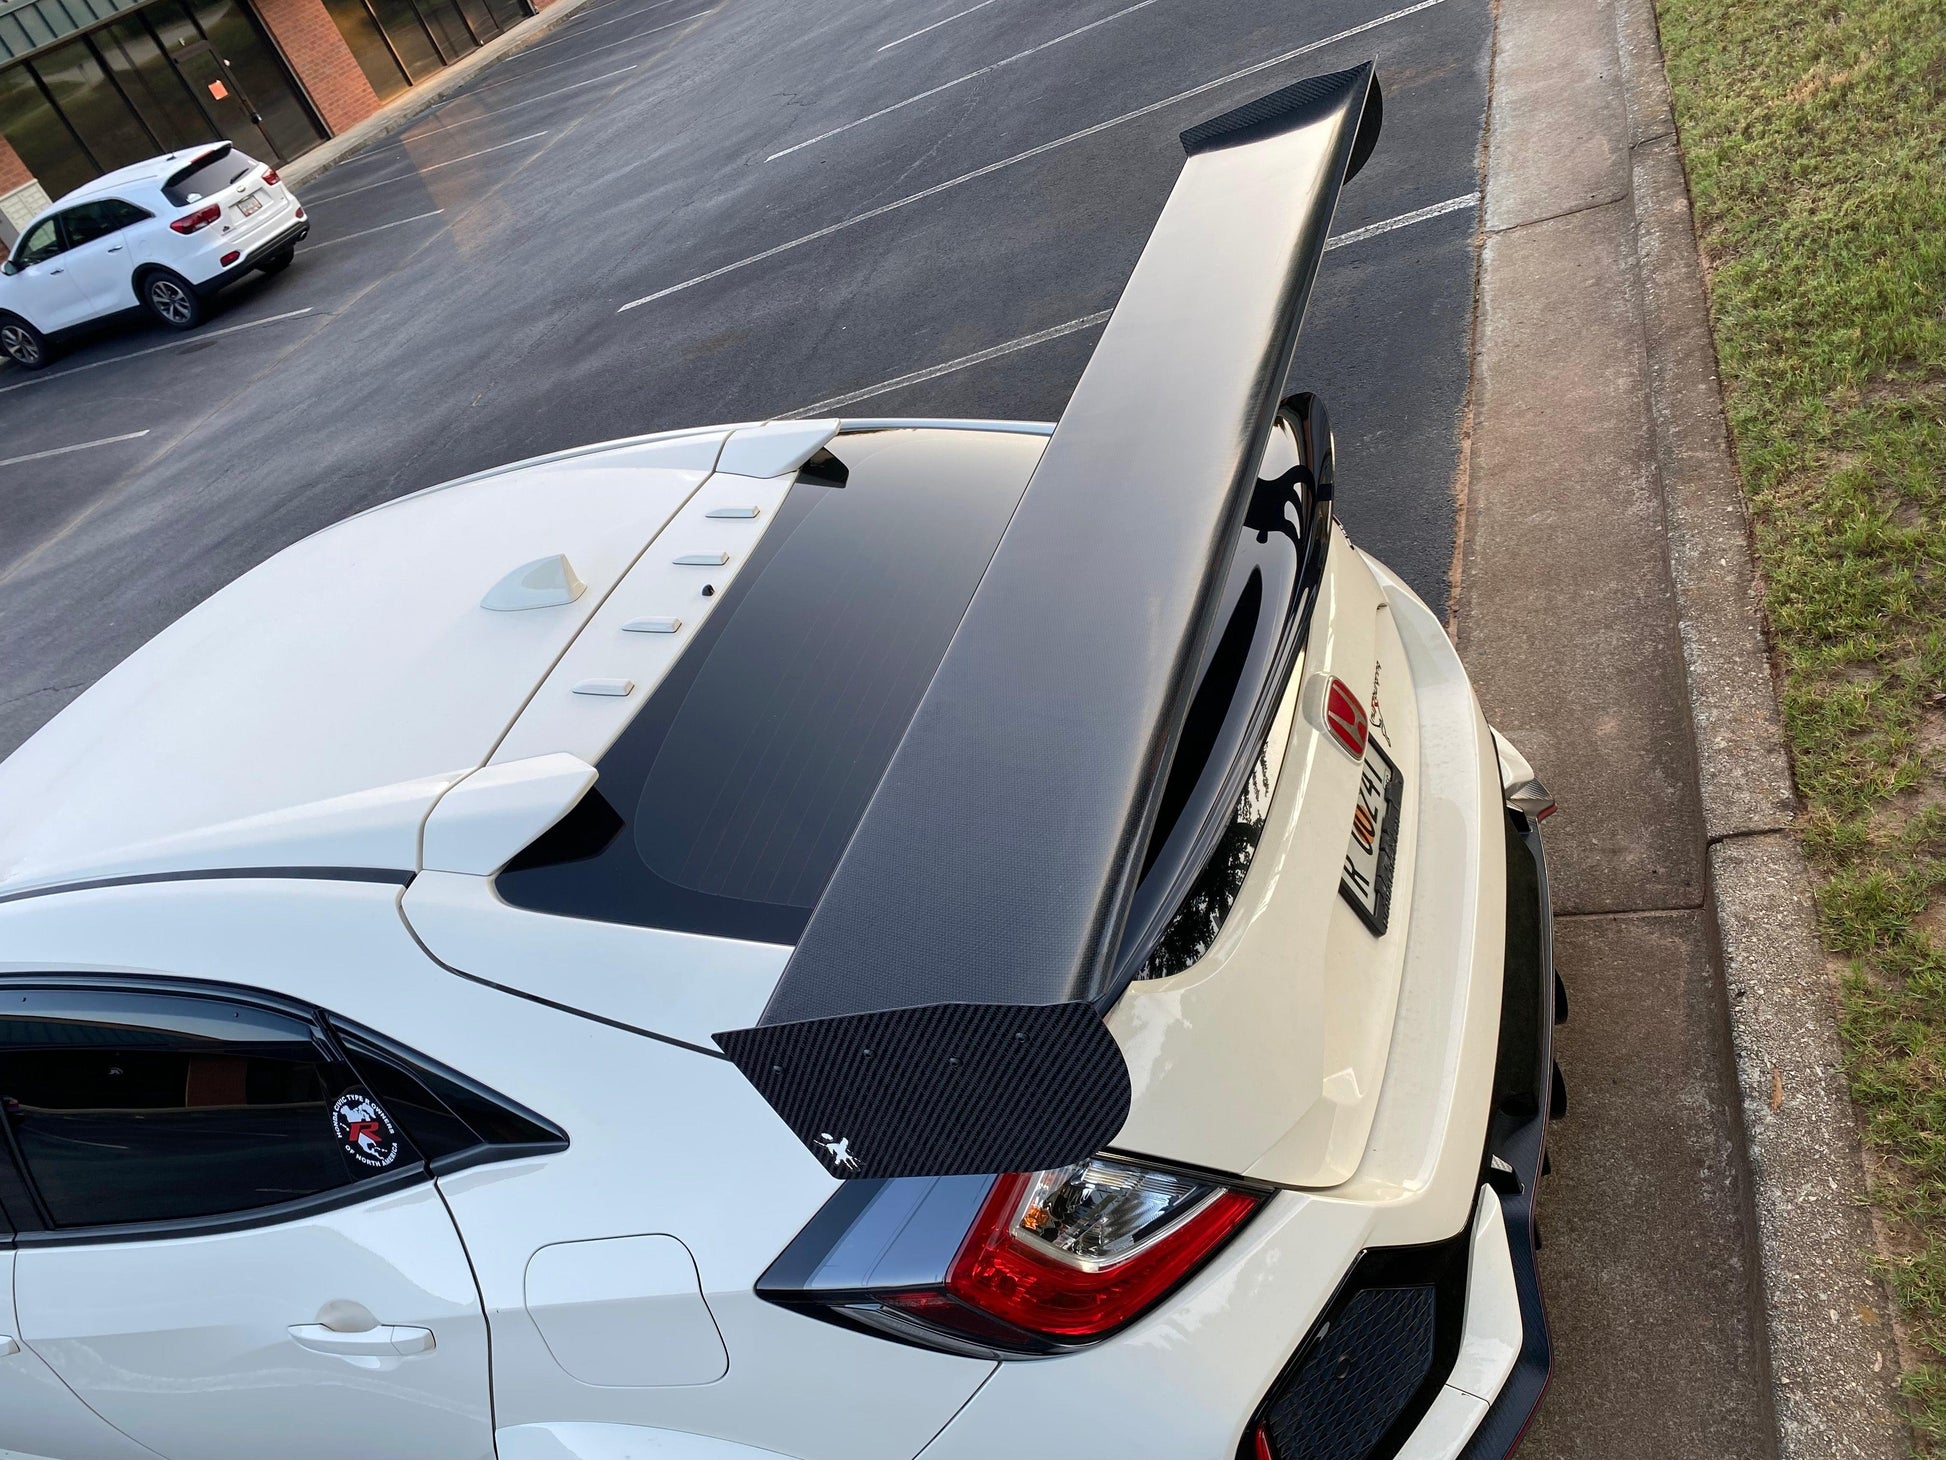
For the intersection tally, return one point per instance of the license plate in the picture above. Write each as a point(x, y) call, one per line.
point(250, 204)
point(1366, 881)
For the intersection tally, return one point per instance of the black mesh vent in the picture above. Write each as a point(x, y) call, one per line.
point(1361, 1372)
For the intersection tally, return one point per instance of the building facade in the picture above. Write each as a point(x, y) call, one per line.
point(87, 86)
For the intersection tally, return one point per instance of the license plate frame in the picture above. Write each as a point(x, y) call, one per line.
point(1365, 881)
point(249, 204)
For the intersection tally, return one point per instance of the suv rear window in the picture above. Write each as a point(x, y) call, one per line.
point(725, 805)
point(210, 173)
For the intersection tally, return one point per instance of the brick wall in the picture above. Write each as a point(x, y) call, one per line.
point(322, 60)
point(13, 172)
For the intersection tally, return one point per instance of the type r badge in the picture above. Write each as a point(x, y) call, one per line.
point(365, 1130)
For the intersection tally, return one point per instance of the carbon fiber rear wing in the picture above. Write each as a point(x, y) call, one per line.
point(942, 1013)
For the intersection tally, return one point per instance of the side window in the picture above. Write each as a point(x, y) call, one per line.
point(87, 222)
point(455, 1121)
point(137, 1107)
point(41, 243)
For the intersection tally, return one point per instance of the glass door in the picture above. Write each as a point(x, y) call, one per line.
point(221, 94)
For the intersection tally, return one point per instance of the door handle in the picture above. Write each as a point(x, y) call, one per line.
point(384, 1341)
point(57, 271)
point(114, 248)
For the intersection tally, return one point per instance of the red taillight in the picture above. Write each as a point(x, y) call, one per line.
point(1262, 1449)
point(201, 218)
point(1070, 1256)
point(270, 176)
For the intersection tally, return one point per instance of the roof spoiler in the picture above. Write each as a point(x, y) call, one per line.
point(942, 1013)
point(209, 155)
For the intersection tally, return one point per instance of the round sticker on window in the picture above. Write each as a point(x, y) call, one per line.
point(365, 1130)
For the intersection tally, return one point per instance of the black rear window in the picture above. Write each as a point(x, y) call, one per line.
point(208, 174)
point(725, 805)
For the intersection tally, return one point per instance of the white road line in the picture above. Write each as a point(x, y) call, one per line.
point(593, 50)
point(583, 30)
point(421, 171)
point(935, 25)
point(512, 105)
point(1031, 152)
point(933, 372)
point(1088, 321)
point(1404, 220)
point(154, 349)
point(887, 111)
point(64, 450)
point(367, 232)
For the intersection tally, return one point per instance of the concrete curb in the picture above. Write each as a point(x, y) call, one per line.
point(1832, 1356)
point(407, 108)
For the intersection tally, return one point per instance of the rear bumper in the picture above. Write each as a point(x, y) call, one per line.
point(1455, 1212)
point(288, 237)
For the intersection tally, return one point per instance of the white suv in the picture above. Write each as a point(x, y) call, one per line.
point(164, 234)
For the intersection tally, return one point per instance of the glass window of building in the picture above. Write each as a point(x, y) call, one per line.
point(93, 106)
point(134, 58)
point(369, 47)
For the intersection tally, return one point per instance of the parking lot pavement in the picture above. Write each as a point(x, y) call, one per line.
point(460, 301)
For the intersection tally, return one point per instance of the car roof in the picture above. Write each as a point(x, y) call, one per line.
point(137, 176)
point(287, 721)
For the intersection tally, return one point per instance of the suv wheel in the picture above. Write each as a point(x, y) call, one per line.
point(173, 300)
point(279, 261)
point(22, 343)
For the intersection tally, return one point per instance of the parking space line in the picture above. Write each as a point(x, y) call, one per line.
point(510, 106)
point(933, 372)
point(78, 446)
point(935, 25)
point(612, 20)
point(155, 349)
point(368, 232)
point(988, 70)
point(421, 171)
point(1404, 220)
point(1088, 321)
point(1018, 157)
point(593, 50)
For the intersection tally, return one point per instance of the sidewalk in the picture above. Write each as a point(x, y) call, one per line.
point(1706, 1259)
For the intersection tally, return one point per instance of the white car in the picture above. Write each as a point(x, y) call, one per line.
point(164, 235)
point(827, 939)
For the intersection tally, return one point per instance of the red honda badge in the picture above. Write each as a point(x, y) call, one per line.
point(1345, 718)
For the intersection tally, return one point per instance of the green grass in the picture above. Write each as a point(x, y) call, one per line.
point(1815, 139)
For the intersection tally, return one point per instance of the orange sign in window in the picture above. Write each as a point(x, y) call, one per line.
point(218, 90)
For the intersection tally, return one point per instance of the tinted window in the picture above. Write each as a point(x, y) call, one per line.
point(205, 178)
point(130, 1107)
point(41, 243)
point(89, 221)
point(731, 796)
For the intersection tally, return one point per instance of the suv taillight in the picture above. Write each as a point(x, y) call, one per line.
point(201, 218)
point(270, 176)
point(1023, 1264)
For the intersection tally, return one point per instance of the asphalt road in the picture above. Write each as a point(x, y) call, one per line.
point(805, 206)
